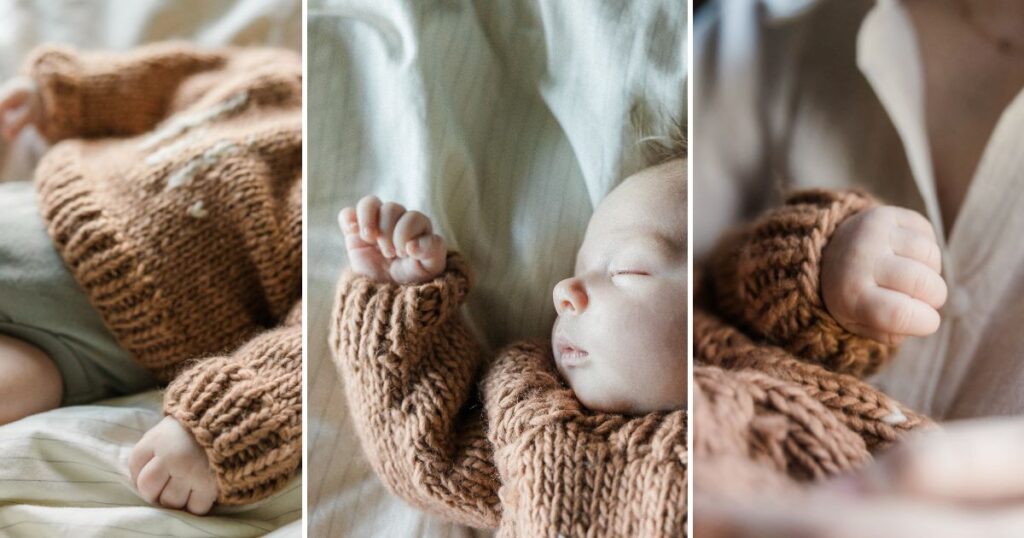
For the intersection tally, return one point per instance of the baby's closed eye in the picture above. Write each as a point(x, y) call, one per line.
point(628, 272)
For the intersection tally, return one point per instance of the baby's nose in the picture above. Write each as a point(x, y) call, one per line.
point(570, 296)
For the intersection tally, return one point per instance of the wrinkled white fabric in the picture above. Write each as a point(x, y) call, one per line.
point(65, 473)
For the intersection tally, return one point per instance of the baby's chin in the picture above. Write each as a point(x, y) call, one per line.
point(598, 402)
point(601, 401)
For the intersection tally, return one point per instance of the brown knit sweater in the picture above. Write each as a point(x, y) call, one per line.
point(777, 396)
point(501, 445)
point(174, 196)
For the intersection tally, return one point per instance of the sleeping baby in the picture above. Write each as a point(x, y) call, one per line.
point(160, 243)
point(584, 434)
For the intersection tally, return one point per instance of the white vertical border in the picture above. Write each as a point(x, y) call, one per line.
point(690, 117)
point(305, 273)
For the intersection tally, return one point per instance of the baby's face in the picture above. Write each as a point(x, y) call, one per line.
point(620, 337)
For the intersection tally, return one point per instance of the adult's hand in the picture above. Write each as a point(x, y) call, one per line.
point(967, 480)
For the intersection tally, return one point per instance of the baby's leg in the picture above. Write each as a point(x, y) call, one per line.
point(29, 380)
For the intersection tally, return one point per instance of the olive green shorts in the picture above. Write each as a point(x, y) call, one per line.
point(41, 303)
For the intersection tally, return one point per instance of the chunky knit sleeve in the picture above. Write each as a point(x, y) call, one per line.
point(871, 414)
point(766, 278)
point(245, 410)
point(571, 472)
point(87, 94)
point(410, 367)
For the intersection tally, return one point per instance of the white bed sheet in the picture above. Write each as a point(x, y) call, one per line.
point(64, 472)
point(505, 122)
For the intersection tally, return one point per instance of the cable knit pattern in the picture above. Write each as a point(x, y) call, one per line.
point(769, 418)
point(766, 279)
point(521, 454)
point(175, 199)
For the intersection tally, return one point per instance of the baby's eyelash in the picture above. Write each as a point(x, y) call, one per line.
point(636, 272)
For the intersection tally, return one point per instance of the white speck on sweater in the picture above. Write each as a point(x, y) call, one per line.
point(182, 123)
point(895, 417)
point(171, 150)
point(197, 164)
point(197, 211)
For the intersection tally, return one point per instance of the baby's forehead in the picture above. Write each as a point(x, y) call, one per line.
point(606, 242)
point(649, 203)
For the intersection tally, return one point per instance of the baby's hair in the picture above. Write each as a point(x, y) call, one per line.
point(658, 149)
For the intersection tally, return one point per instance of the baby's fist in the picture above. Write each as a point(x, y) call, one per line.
point(389, 244)
point(880, 275)
point(19, 106)
point(169, 468)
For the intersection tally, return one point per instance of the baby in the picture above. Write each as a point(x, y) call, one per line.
point(605, 455)
point(833, 278)
point(161, 243)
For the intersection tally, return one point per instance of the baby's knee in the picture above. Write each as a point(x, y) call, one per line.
point(29, 379)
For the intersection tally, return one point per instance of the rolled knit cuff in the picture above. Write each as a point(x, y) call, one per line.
point(407, 307)
point(773, 282)
point(245, 410)
point(56, 72)
point(85, 94)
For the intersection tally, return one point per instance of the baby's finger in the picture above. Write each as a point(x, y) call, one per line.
point(390, 213)
point(410, 227)
point(916, 246)
point(175, 493)
point(201, 500)
point(152, 480)
point(16, 121)
point(348, 221)
point(912, 220)
point(355, 242)
point(912, 278)
point(895, 313)
point(430, 252)
point(13, 94)
point(138, 459)
point(368, 210)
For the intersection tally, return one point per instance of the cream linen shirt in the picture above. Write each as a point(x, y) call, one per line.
point(829, 93)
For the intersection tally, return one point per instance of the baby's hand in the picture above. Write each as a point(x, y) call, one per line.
point(170, 468)
point(880, 275)
point(389, 244)
point(19, 106)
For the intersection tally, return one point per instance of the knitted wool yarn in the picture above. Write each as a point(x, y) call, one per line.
point(766, 280)
point(515, 451)
point(774, 417)
point(174, 196)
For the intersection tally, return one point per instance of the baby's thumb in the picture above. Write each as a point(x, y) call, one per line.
point(429, 251)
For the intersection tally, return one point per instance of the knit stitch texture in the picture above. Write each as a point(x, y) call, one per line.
point(174, 195)
point(504, 444)
point(780, 403)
